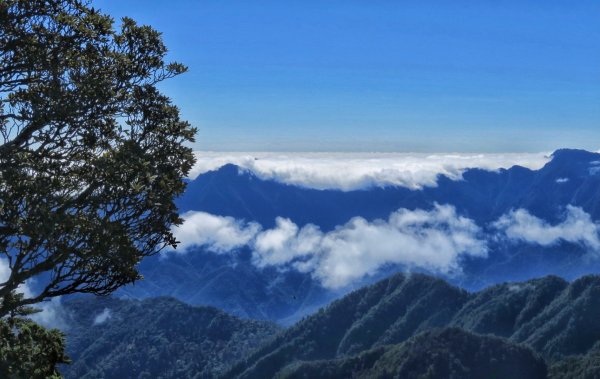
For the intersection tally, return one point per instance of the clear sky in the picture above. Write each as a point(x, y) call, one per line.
point(327, 75)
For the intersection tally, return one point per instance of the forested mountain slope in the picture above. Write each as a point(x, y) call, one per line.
point(444, 353)
point(155, 338)
point(554, 318)
point(407, 325)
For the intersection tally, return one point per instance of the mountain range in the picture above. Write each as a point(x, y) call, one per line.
point(527, 306)
point(407, 325)
point(232, 281)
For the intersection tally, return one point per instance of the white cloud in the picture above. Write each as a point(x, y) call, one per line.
point(286, 242)
point(594, 168)
point(218, 233)
point(577, 227)
point(562, 180)
point(5, 274)
point(350, 171)
point(102, 316)
point(434, 240)
point(50, 314)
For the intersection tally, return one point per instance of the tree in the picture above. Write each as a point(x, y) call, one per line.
point(92, 154)
point(28, 350)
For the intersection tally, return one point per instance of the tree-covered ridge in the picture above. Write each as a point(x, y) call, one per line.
point(554, 318)
point(407, 324)
point(345, 325)
point(438, 353)
point(155, 338)
point(585, 366)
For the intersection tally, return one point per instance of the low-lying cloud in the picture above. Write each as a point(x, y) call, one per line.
point(102, 317)
point(434, 240)
point(351, 171)
point(577, 227)
point(218, 233)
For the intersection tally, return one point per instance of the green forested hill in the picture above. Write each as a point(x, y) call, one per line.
point(155, 338)
point(445, 353)
point(554, 318)
point(388, 311)
point(585, 366)
point(403, 326)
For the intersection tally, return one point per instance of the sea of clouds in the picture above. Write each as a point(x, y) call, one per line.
point(351, 171)
point(435, 240)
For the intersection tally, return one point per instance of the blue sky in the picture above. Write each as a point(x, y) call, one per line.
point(419, 76)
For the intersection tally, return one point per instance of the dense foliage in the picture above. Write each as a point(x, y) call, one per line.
point(404, 325)
point(447, 353)
point(554, 318)
point(91, 153)
point(155, 338)
point(585, 366)
point(28, 350)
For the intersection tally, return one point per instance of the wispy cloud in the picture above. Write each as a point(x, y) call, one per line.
point(577, 227)
point(434, 240)
point(51, 312)
point(350, 171)
point(102, 317)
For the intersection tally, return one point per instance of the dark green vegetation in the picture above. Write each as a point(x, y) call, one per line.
point(92, 155)
point(445, 353)
point(578, 367)
point(28, 350)
point(404, 326)
point(553, 318)
point(155, 338)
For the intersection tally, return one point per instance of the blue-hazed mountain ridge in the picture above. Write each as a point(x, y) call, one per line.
point(232, 282)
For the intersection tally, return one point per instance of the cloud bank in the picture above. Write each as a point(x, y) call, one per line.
point(351, 171)
point(434, 240)
point(577, 227)
point(218, 233)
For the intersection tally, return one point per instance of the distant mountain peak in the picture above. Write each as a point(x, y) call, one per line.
point(230, 169)
point(577, 155)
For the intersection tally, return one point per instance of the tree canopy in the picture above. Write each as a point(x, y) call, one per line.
point(92, 154)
